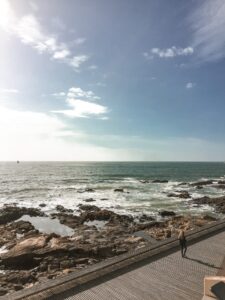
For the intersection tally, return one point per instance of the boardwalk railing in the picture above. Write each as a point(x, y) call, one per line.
point(75, 279)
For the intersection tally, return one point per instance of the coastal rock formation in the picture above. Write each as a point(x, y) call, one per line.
point(11, 213)
point(201, 183)
point(217, 202)
point(31, 256)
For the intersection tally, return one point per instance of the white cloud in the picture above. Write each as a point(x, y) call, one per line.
point(61, 54)
point(82, 109)
point(9, 91)
point(76, 61)
point(80, 106)
point(59, 94)
point(190, 85)
point(77, 92)
point(208, 22)
point(30, 32)
point(170, 52)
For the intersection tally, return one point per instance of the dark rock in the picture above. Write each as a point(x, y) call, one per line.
point(3, 291)
point(88, 207)
point(159, 181)
point(182, 195)
point(119, 190)
point(89, 190)
point(89, 200)
point(42, 205)
point(167, 213)
point(12, 213)
point(221, 182)
point(62, 209)
point(144, 181)
point(146, 218)
point(201, 183)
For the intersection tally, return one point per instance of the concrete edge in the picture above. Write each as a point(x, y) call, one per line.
point(58, 285)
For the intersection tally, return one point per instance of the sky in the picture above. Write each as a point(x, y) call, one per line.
point(100, 80)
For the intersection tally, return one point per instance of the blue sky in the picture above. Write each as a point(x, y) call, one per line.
point(112, 80)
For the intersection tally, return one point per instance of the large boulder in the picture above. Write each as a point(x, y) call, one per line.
point(22, 254)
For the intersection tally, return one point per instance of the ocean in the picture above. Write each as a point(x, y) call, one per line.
point(33, 183)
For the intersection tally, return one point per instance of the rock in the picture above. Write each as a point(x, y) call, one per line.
point(217, 202)
point(119, 190)
point(104, 199)
point(89, 190)
point(42, 205)
point(182, 195)
point(89, 200)
point(22, 254)
point(3, 291)
point(62, 209)
point(201, 183)
point(133, 239)
point(11, 213)
point(144, 181)
point(22, 227)
point(221, 182)
point(159, 181)
point(167, 213)
point(146, 218)
point(88, 207)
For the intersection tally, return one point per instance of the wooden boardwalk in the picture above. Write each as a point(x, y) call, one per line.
point(168, 278)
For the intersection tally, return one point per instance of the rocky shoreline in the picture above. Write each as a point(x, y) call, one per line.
point(29, 256)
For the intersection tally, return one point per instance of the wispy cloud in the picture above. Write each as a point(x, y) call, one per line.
point(82, 106)
point(169, 52)
point(208, 22)
point(76, 61)
point(30, 32)
point(59, 94)
point(190, 85)
point(79, 41)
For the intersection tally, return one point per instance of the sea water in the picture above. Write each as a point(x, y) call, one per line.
point(51, 183)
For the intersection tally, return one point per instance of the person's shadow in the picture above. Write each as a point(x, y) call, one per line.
point(202, 262)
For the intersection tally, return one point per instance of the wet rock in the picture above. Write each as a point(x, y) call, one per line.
point(104, 199)
point(159, 181)
point(182, 195)
point(62, 209)
point(167, 213)
point(201, 183)
point(88, 207)
point(146, 218)
point(218, 186)
point(144, 181)
point(22, 227)
point(68, 219)
point(12, 213)
point(221, 182)
point(89, 200)
point(42, 205)
point(89, 190)
point(119, 190)
point(217, 202)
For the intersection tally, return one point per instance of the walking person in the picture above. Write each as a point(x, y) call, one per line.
point(183, 242)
